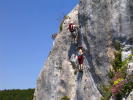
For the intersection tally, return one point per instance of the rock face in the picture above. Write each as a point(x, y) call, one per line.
point(101, 23)
point(130, 97)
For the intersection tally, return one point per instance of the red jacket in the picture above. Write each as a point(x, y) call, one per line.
point(71, 28)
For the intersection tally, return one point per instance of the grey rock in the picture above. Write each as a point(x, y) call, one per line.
point(130, 97)
point(101, 23)
point(126, 51)
point(130, 68)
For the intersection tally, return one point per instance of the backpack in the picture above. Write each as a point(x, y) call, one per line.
point(71, 28)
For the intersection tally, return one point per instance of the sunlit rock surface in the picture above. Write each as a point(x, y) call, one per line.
point(101, 23)
point(130, 97)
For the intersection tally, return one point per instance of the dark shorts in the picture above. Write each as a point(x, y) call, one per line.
point(72, 31)
point(73, 36)
point(80, 59)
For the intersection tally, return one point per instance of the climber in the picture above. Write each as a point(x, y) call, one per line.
point(80, 57)
point(72, 28)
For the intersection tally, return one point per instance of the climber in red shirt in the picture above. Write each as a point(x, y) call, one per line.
point(80, 57)
point(72, 29)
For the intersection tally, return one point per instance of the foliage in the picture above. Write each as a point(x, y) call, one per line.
point(106, 92)
point(61, 25)
point(118, 97)
point(65, 98)
point(117, 45)
point(121, 84)
point(123, 88)
point(128, 87)
point(16, 94)
point(117, 62)
point(110, 74)
point(118, 86)
point(119, 80)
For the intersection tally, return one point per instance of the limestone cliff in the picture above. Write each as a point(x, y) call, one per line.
point(101, 22)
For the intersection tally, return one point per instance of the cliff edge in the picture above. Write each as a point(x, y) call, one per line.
point(101, 23)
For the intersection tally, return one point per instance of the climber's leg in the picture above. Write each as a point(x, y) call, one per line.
point(72, 36)
point(81, 66)
point(75, 40)
point(75, 35)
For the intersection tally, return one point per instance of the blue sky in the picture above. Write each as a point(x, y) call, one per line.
point(25, 38)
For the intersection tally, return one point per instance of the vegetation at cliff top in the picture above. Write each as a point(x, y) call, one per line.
point(61, 25)
point(65, 98)
point(17, 94)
